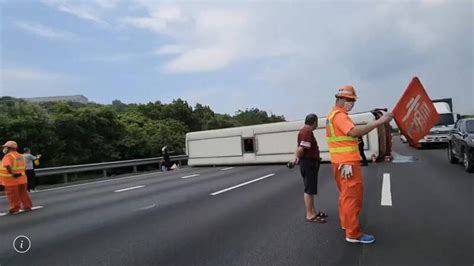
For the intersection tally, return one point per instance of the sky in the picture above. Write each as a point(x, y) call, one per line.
point(285, 57)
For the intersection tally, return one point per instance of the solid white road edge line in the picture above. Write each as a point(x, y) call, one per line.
point(228, 168)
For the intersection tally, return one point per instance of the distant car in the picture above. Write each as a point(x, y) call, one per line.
point(461, 144)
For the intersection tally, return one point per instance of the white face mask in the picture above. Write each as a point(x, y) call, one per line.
point(5, 150)
point(348, 106)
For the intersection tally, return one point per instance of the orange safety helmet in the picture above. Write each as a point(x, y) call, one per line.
point(10, 144)
point(347, 91)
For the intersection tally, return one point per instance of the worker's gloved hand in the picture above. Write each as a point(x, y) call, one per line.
point(16, 175)
point(346, 170)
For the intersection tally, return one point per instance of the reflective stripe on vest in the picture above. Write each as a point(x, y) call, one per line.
point(333, 138)
point(340, 139)
point(17, 168)
point(331, 126)
point(341, 148)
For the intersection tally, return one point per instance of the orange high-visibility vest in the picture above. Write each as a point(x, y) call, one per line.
point(342, 148)
point(18, 167)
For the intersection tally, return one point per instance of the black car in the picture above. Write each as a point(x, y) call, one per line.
point(461, 144)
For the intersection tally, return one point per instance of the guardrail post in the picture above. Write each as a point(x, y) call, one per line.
point(135, 169)
point(65, 178)
point(104, 173)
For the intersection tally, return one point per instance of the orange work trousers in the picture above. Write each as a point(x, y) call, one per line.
point(350, 199)
point(18, 195)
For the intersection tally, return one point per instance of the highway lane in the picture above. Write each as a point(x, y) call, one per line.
point(176, 221)
point(99, 204)
point(432, 209)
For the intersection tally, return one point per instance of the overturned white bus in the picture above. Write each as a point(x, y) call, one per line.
point(272, 143)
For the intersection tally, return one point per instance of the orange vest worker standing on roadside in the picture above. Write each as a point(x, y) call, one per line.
point(13, 178)
point(342, 138)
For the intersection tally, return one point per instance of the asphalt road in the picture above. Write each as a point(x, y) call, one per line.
point(164, 219)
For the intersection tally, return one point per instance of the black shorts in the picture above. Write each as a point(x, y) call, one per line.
point(309, 172)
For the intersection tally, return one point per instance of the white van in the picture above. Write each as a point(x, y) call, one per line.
point(268, 143)
point(439, 134)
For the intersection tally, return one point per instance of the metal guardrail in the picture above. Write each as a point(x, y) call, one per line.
point(72, 169)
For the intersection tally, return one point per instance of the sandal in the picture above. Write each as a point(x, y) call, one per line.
point(322, 214)
point(316, 219)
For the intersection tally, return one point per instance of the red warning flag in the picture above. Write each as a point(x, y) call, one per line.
point(414, 113)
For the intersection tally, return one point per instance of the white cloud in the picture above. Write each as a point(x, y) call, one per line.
point(81, 12)
point(309, 49)
point(226, 100)
point(91, 10)
point(169, 49)
point(434, 3)
point(46, 32)
point(300, 52)
point(28, 82)
point(107, 3)
point(114, 58)
point(160, 19)
point(201, 59)
point(215, 36)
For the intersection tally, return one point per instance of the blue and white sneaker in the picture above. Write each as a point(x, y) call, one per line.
point(364, 239)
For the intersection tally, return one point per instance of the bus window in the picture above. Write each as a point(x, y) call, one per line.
point(249, 146)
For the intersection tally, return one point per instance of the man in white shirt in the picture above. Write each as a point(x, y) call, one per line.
point(30, 168)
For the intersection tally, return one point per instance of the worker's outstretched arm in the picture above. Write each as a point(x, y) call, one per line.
point(359, 131)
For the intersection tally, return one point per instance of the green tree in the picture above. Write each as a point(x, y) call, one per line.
point(221, 121)
point(29, 125)
point(255, 116)
point(87, 135)
point(119, 107)
point(178, 110)
point(75, 133)
point(201, 117)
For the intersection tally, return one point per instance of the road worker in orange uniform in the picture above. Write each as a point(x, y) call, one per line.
point(342, 138)
point(13, 178)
